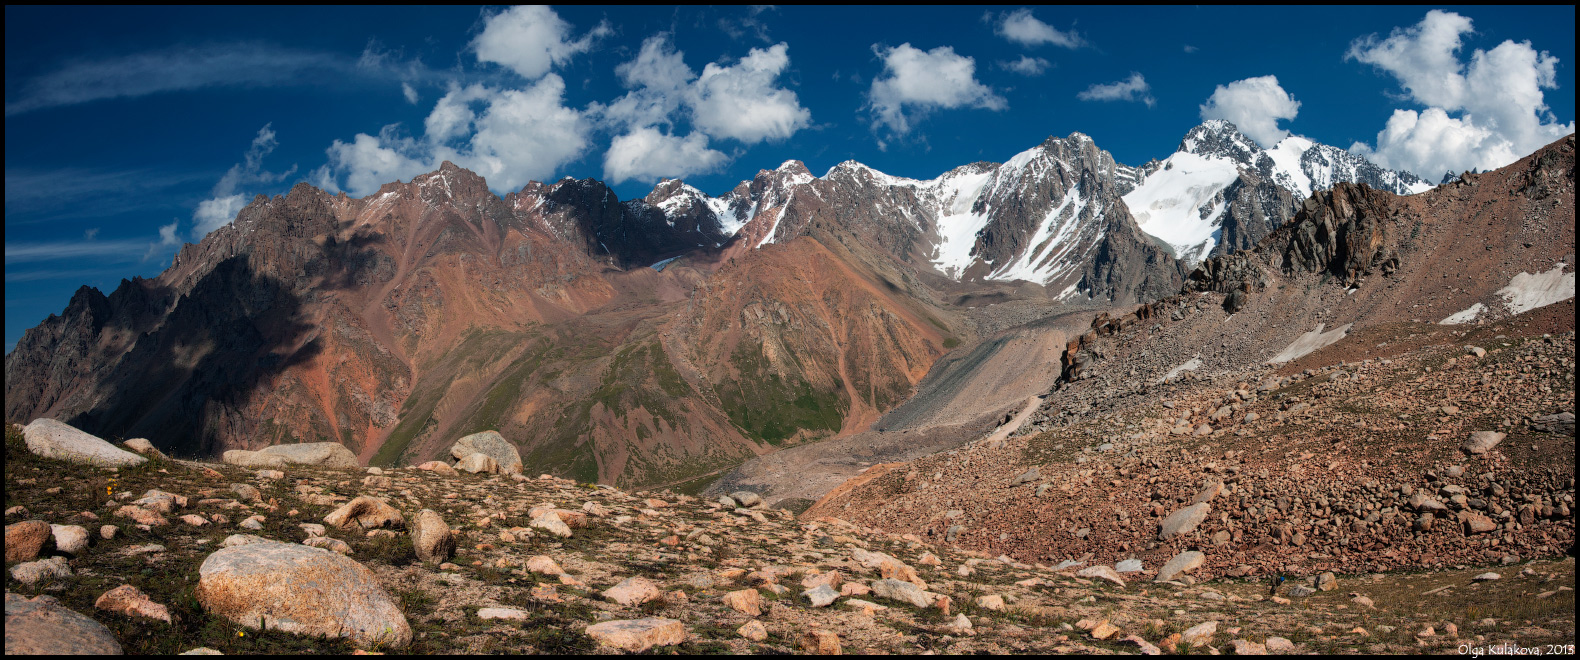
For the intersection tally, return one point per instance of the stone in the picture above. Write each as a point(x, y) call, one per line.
point(502, 614)
point(1102, 573)
point(953, 532)
point(332, 455)
point(270, 474)
point(633, 591)
point(745, 601)
point(128, 600)
point(252, 459)
point(1485, 577)
point(312, 529)
point(746, 498)
point(1183, 562)
point(1279, 645)
point(819, 642)
point(144, 447)
point(904, 592)
point(440, 468)
point(1026, 477)
point(246, 492)
point(42, 626)
point(867, 608)
point(1104, 630)
point(1207, 494)
point(366, 512)
point(431, 537)
point(1481, 441)
point(507, 460)
point(1247, 647)
point(478, 464)
point(70, 539)
point(831, 579)
point(544, 564)
point(728, 502)
point(929, 559)
point(992, 602)
point(753, 630)
point(301, 590)
point(254, 523)
point(549, 522)
point(1476, 523)
point(32, 572)
point(887, 567)
point(1129, 566)
point(108, 532)
point(161, 501)
point(58, 440)
point(242, 539)
point(194, 520)
point(201, 650)
point(821, 596)
point(1301, 591)
point(961, 625)
point(1184, 521)
point(1327, 582)
point(1199, 634)
point(638, 635)
point(1142, 645)
point(326, 543)
point(25, 540)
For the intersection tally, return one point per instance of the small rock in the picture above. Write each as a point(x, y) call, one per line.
point(1199, 634)
point(820, 642)
point(1301, 591)
point(1327, 582)
point(1481, 441)
point(820, 596)
point(108, 532)
point(551, 523)
point(1183, 562)
point(366, 512)
point(440, 468)
point(544, 564)
point(992, 603)
point(1485, 577)
point(905, 592)
point(1103, 573)
point(1129, 566)
point(1184, 521)
point(746, 498)
point(501, 614)
point(1247, 647)
point(753, 630)
point(1142, 646)
point(1280, 645)
point(332, 545)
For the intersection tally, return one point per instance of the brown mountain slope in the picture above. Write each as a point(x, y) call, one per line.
point(1316, 461)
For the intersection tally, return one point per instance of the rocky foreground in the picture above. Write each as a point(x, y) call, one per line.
point(159, 556)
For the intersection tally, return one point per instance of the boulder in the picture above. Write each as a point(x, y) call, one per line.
point(633, 591)
point(252, 459)
point(746, 498)
point(301, 590)
point(331, 455)
point(904, 592)
point(41, 626)
point(545, 565)
point(33, 572)
point(745, 601)
point(821, 596)
point(1183, 562)
point(887, 567)
point(550, 522)
point(130, 601)
point(430, 537)
point(638, 635)
point(439, 467)
point(367, 513)
point(478, 464)
point(24, 540)
point(1129, 566)
point(1481, 441)
point(753, 630)
point(70, 539)
point(1184, 521)
point(51, 439)
point(144, 447)
point(1102, 573)
point(493, 445)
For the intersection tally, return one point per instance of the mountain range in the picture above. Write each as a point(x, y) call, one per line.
point(649, 341)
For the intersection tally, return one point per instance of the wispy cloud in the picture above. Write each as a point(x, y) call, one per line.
point(119, 250)
point(1025, 29)
point(33, 196)
point(1027, 66)
point(1134, 88)
point(199, 67)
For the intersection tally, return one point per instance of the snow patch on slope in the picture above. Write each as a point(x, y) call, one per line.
point(1169, 203)
point(1527, 292)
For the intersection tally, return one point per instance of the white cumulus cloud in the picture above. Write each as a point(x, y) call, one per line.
point(1021, 27)
point(1254, 105)
point(1497, 95)
point(924, 80)
point(531, 40)
point(742, 101)
point(647, 154)
point(1134, 88)
point(1027, 66)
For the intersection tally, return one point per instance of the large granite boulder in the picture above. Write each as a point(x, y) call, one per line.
point(52, 439)
point(303, 590)
point(331, 455)
point(491, 444)
point(41, 626)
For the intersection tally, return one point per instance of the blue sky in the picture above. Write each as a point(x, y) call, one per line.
point(131, 130)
